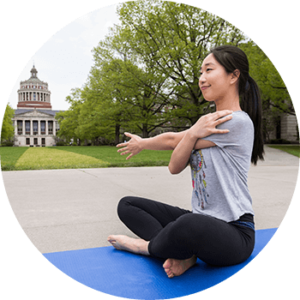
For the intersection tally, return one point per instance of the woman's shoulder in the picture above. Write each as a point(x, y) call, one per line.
point(240, 119)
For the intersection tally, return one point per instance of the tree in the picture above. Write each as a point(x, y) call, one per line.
point(274, 93)
point(172, 40)
point(68, 120)
point(275, 97)
point(7, 131)
point(139, 95)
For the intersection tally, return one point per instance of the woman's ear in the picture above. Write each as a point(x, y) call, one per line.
point(235, 75)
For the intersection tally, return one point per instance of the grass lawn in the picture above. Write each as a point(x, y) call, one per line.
point(9, 156)
point(24, 158)
point(46, 158)
point(291, 149)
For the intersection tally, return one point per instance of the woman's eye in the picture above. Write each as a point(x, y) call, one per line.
point(207, 70)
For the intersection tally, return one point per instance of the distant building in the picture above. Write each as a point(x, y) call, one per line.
point(34, 119)
point(285, 128)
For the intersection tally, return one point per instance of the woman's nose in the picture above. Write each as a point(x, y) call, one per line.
point(201, 79)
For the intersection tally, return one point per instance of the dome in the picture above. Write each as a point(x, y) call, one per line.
point(33, 78)
point(34, 93)
point(33, 72)
point(33, 69)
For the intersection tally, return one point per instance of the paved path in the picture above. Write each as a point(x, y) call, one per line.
point(75, 209)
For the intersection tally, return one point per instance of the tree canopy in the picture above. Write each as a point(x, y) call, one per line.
point(7, 131)
point(146, 72)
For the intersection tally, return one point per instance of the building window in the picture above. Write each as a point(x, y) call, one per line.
point(56, 126)
point(35, 141)
point(27, 141)
point(35, 127)
point(27, 127)
point(50, 127)
point(43, 127)
point(20, 127)
point(43, 141)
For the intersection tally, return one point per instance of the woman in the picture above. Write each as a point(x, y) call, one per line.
point(220, 228)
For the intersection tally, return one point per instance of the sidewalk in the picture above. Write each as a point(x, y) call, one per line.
point(76, 209)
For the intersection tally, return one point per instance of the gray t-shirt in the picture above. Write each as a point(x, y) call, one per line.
point(219, 174)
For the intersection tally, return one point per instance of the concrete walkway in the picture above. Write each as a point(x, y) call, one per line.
point(75, 209)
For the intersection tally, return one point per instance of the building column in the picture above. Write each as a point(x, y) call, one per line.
point(16, 127)
point(23, 127)
point(39, 127)
point(46, 128)
point(54, 128)
point(31, 127)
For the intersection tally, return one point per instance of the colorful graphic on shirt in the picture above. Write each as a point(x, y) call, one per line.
point(198, 177)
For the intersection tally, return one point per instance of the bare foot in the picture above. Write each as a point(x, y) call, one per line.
point(175, 267)
point(123, 242)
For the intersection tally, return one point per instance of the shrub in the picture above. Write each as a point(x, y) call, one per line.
point(280, 141)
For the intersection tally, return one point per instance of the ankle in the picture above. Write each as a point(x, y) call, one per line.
point(142, 246)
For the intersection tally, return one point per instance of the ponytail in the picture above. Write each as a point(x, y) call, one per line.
point(251, 104)
point(233, 58)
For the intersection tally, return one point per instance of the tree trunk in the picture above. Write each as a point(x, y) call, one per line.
point(145, 131)
point(117, 134)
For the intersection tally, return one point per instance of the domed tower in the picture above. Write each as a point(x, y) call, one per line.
point(34, 93)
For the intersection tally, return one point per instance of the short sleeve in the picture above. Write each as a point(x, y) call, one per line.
point(241, 132)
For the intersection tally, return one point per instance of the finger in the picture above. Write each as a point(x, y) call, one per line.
point(221, 131)
point(121, 145)
point(222, 120)
point(222, 113)
point(122, 149)
point(128, 157)
point(128, 134)
point(125, 152)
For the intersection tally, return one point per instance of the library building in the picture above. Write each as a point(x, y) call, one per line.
point(34, 119)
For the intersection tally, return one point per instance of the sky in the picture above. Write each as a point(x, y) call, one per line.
point(65, 60)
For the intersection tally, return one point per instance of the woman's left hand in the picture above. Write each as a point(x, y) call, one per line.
point(206, 125)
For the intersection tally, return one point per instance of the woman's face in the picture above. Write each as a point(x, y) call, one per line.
point(214, 80)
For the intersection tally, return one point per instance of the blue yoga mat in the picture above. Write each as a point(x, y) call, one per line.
point(128, 275)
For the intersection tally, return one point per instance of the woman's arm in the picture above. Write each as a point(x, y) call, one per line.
point(164, 141)
point(170, 140)
point(205, 126)
point(182, 152)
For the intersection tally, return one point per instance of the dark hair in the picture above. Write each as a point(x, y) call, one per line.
point(233, 58)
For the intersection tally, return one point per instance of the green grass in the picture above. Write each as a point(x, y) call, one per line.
point(24, 158)
point(110, 155)
point(17, 158)
point(291, 149)
point(9, 156)
point(46, 158)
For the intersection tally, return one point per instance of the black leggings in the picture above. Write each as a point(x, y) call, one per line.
point(177, 233)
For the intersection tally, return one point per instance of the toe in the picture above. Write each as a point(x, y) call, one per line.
point(167, 264)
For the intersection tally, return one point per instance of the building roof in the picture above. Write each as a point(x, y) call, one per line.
point(49, 112)
point(33, 78)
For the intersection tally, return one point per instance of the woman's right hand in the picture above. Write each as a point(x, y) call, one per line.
point(133, 146)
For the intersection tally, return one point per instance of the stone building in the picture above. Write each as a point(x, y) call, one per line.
point(34, 119)
point(285, 128)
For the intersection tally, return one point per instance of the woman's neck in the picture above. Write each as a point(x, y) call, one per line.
point(231, 102)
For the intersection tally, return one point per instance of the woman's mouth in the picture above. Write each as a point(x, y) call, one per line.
point(204, 87)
